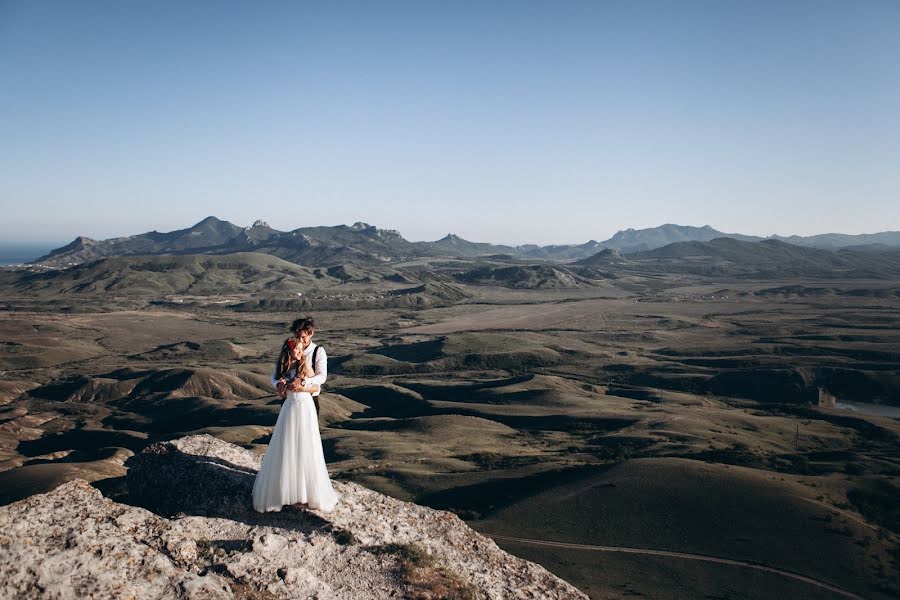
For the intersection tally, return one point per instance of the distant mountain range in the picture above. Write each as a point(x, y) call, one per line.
point(641, 240)
point(767, 258)
point(836, 241)
point(362, 243)
point(267, 282)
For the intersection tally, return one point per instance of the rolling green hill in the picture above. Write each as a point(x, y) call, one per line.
point(522, 276)
point(157, 275)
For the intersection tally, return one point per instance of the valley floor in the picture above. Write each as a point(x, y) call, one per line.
point(680, 441)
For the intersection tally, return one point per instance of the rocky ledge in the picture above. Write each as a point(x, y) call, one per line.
point(195, 535)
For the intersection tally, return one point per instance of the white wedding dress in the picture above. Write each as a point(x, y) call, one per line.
point(293, 468)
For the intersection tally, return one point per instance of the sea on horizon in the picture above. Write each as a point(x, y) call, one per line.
point(13, 254)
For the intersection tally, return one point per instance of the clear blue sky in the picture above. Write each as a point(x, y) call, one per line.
point(514, 122)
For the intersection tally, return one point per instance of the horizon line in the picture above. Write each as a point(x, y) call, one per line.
point(47, 243)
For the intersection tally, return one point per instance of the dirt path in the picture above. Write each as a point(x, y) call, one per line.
point(668, 553)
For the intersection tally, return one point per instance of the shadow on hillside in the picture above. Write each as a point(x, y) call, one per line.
point(479, 500)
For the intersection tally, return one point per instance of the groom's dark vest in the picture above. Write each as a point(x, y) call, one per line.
point(316, 397)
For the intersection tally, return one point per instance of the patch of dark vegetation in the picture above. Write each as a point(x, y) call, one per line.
point(513, 362)
point(709, 352)
point(798, 385)
point(878, 502)
point(869, 432)
point(721, 363)
point(855, 468)
point(416, 352)
point(634, 393)
point(566, 423)
point(409, 552)
point(680, 381)
point(852, 353)
point(273, 305)
point(422, 577)
point(336, 303)
point(493, 461)
point(100, 305)
point(860, 385)
point(736, 454)
point(787, 386)
point(215, 553)
point(834, 455)
point(804, 291)
point(617, 448)
point(799, 463)
point(344, 537)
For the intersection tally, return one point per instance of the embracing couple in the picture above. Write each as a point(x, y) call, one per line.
point(293, 468)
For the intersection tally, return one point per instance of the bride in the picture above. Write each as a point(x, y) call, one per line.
point(293, 468)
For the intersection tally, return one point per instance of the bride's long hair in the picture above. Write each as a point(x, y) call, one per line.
point(286, 358)
point(286, 361)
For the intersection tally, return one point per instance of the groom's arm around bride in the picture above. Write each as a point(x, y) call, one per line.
point(316, 358)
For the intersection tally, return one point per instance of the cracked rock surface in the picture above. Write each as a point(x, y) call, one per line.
point(196, 535)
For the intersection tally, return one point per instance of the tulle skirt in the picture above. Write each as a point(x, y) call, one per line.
point(293, 468)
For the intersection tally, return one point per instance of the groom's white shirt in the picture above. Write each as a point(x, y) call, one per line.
point(321, 367)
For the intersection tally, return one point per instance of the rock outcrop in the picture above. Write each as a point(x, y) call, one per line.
point(200, 538)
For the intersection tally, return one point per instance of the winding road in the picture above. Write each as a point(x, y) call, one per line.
point(701, 557)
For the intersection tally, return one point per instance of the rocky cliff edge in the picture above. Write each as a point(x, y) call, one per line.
point(195, 535)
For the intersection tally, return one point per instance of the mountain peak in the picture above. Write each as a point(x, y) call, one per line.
point(210, 224)
point(603, 257)
point(82, 241)
point(81, 244)
point(259, 223)
point(360, 226)
point(640, 240)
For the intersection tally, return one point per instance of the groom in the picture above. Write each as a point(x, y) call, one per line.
point(303, 330)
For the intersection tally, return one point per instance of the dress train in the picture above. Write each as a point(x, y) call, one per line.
point(293, 469)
